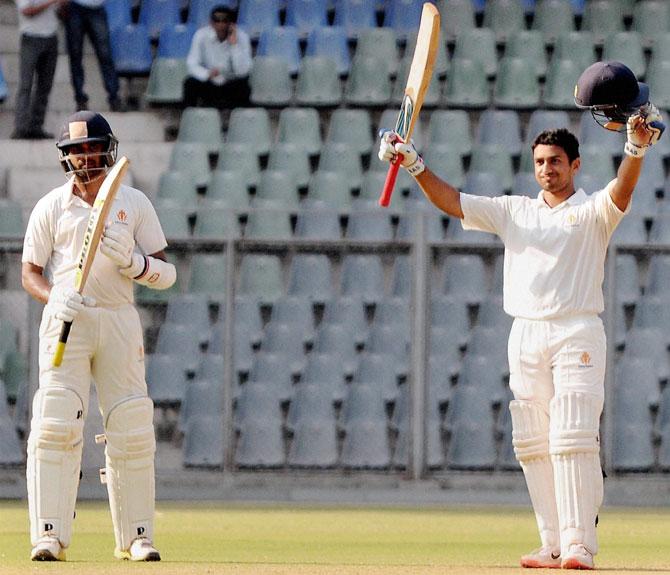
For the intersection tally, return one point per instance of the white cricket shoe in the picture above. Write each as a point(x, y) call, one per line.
point(141, 549)
point(48, 549)
point(577, 557)
point(542, 558)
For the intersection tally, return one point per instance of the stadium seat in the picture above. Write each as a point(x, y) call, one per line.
point(318, 82)
point(355, 16)
point(11, 219)
point(300, 126)
point(118, 13)
point(479, 45)
point(363, 276)
point(366, 444)
point(11, 451)
point(208, 276)
point(290, 159)
point(344, 160)
point(381, 369)
point(275, 371)
point(372, 42)
point(505, 18)
point(541, 120)
point(528, 45)
point(203, 442)
point(553, 17)
point(632, 230)
point(626, 47)
point(348, 313)
point(199, 11)
point(270, 82)
point(258, 15)
point(591, 135)
point(216, 221)
point(318, 224)
point(466, 85)
point(268, 220)
point(651, 312)
point(628, 285)
point(251, 126)
point(402, 16)
point(191, 158)
point(281, 42)
point(351, 127)
point(189, 308)
point(516, 85)
point(657, 274)
point(287, 340)
point(296, 311)
point(500, 127)
point(461, 17)
point(392, 311)
point(464, 278)
point(372, 226)
point(651, 19)
point(559, 88)
point(495, 159)
point(166, 81)
point(330, 41)
point(602, 19)
point(329, 189)
point(658, 78)
point(339, 341)
point(446, 163)
point(260, 275)
point(131, 50)
point(182, 341)
point(157, 15)
point(310, 276)
point(448, 126)
point(279, 187)
point(166, 379)
point(432, 95)
point(305, 15)
point(244, 340)
point(441, 66)
point(485, 372)
point(648, 344)
point(578, 46)
point(240, 158)
point(230, 189)
point(368, 83)
point(174, 220)
point(432, 222)
point(391, 342)
point(201, 125)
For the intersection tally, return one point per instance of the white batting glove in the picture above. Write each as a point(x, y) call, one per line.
point(643, 130)
point(389, 148)
point(118, 245)
point(66, 302)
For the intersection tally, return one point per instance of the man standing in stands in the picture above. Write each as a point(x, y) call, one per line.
point(219, 63)
point(105, 346)
point(555, 248)
point(38, 55)
point(88, 17)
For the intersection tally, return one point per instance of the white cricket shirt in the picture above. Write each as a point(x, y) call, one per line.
point(554, 257)
point(44, 24)
point(56, 231)
point(208, 52)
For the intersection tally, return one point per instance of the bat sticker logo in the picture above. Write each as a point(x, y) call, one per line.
point(405, 117)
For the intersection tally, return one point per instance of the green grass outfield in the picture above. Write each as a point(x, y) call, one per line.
point(204, 538)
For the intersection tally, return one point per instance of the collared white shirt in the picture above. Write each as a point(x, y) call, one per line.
point(44, 24)
point(90, 3)
point(56, 231)
point(554, 257)
point(207, 52)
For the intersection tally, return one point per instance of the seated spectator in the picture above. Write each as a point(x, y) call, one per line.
point(219, 63)
point(37, 55)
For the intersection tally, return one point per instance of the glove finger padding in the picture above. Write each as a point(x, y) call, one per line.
point(118, 245)
point(66, 302)
point(643, 130)
point(386, 150)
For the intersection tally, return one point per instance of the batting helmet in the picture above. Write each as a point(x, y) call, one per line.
point(612, 93)
point(86, 127)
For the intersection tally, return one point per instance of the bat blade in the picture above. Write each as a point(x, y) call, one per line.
point(418, 80)
point(96, 223)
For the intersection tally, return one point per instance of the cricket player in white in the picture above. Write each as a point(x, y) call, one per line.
point(105, 345)
point(555, 248)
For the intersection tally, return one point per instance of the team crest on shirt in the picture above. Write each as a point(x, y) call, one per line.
point(585, 360)
point(571, 220)
point(121, 216)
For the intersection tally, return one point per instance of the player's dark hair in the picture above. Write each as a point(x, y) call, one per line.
point(223, 12)
point(561, 138)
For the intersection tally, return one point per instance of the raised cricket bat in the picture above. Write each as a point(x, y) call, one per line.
point(420, 73)
point(96, 223)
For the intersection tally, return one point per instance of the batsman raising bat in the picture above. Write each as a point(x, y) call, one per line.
point(104, 345)
point(555, 247)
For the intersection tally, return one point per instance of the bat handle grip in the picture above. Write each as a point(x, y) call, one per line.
point(60, 346)
point(389, 184)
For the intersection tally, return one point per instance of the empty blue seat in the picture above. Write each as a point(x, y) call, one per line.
point(203, 442)
point(175, 41)
point(281, 42)
point(403, 16)
point(275, 372)
point(258, 15)
point(465, 277)
point(355, 16)
point(306, 15)
point(159, 14)
point(340, 341)
point(131, 50)
point(363, 276)
point(310, 276)
point(118, 13)
point(348, 312)
point(325, 370)
point(199, 11)
point(500, 127)
point(330, 41)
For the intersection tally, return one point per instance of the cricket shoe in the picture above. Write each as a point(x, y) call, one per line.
point(577, 557)
point(542, 558)
point(48, 549)
point(141, 549)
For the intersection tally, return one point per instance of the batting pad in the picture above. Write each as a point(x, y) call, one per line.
point(54, 458)
point(131, 445)
point(574, 448)
point(530, 437)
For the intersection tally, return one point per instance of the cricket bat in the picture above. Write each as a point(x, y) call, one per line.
point(96, 223)
point(420, 73)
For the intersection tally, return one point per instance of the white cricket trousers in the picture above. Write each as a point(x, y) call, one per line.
point(105, 345)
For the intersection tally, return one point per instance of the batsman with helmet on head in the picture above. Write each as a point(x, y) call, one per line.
point(555, 248)
point(105, 343)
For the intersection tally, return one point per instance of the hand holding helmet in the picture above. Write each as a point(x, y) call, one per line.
point(644, 128)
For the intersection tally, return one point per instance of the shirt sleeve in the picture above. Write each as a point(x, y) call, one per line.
point(241, 55)
point(148, 231)
point(484, 214)
point(196, 57)
point(607, 211)
point(39, 238)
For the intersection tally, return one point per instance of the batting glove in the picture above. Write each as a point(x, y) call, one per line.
point(118, 245)
point(391, 146)
point(643, 130)
point(66, 302)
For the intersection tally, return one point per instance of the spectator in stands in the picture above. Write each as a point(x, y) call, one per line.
point(38, 54)
point(219, 63)
point(105, 345)
point(88, 17)
point(555, 248)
